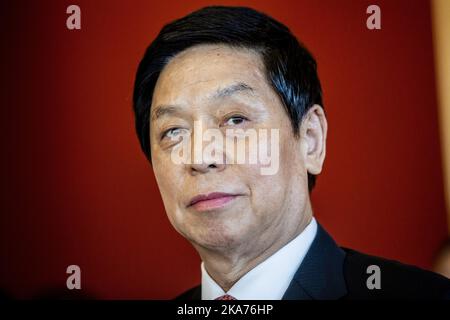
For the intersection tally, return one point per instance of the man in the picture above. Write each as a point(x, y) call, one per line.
point(238, 75)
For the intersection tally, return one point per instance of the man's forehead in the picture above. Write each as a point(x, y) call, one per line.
point(206, 77)
point(208, 62)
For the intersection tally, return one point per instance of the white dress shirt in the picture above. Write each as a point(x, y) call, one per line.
point(270, 279)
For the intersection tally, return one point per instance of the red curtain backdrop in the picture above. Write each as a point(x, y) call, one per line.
point(76, 189)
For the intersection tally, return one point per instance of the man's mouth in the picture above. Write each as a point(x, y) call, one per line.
point(211, 201)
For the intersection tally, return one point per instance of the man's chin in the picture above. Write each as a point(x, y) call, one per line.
point(218, 241)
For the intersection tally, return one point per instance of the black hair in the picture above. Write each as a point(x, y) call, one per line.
point(290, 69)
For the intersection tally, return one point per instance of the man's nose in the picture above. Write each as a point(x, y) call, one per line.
point(208, 164)
point(206, 155)
point(204, 168)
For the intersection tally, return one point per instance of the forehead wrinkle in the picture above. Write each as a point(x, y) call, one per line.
point(232, 89)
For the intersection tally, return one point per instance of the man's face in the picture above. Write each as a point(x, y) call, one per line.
point(225, 88)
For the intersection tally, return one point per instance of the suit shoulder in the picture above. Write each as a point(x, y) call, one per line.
point(191, 294)
point(396, 280)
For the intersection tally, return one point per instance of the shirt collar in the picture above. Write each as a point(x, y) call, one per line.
point(270, 279)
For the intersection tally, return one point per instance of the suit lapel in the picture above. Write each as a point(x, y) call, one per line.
point(321, 274)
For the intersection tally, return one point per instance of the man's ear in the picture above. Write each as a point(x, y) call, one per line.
point(313, 135)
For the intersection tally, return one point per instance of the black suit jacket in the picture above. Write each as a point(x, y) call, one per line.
point(329, 272)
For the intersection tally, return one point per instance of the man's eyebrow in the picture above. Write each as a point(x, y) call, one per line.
point(161, 110)
point(234, 88)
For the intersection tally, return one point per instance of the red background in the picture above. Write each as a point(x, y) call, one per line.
point(76, 189)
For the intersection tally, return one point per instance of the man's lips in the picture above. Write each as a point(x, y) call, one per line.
point(211, 201)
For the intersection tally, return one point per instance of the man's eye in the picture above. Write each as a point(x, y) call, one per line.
point(235, 120)
point(173, 133)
